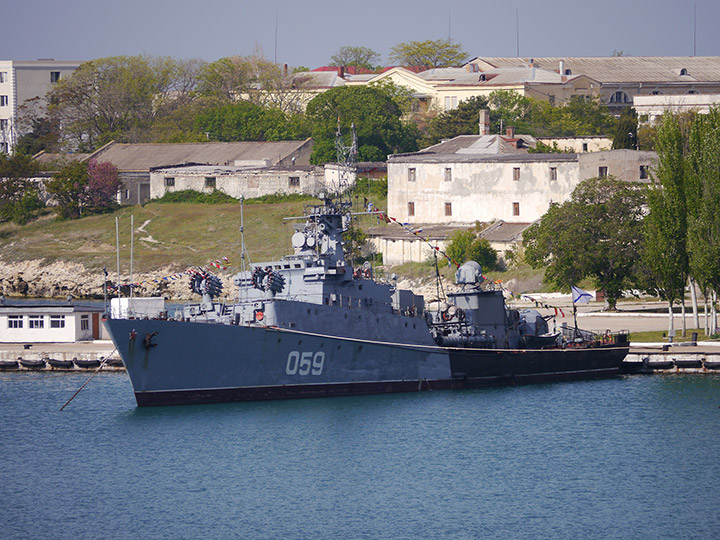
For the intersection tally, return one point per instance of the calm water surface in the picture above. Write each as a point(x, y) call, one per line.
point(630, 458)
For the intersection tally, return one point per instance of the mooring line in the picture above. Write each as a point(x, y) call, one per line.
point(90, 377)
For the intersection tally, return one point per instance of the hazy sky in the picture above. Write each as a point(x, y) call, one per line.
point(309, 32)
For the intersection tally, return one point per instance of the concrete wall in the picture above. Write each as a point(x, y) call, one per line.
point(650, 108)
point(238, 183)
point(579, 144)
point(399, 251)
point(623, 164)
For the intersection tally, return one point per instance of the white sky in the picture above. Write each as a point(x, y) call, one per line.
point(309, 32)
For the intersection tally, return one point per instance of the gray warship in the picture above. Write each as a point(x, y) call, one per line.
point(311, 325)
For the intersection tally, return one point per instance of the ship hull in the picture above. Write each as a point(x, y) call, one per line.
point(172, 363)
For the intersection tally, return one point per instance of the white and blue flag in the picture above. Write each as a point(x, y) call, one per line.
point(579, 296)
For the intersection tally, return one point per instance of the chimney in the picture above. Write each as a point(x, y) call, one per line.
point(341, 72)
point(285, 70)
point(561, 68)
point(484, 122)
point(510, 132)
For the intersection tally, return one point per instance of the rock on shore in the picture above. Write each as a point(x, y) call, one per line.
point(38, 279)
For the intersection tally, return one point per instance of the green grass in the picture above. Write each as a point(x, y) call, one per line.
point(185, 233)
point(657, 336)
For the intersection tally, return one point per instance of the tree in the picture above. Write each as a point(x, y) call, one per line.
point(625, 134)
point(462, 120)
point(361, 57)
point(665, 257)
point(374, 113)
point(703, 201)
point(116, 98)
point(467, 246)
point(429, 53)
point(245, 121)
point(80, 188)
point(596, 234)
point(18, 194)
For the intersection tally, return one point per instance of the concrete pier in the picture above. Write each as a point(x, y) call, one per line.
point(80, 350)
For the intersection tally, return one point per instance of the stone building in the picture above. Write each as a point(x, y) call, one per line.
point(430, 187)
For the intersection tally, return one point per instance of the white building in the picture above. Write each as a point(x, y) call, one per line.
point(650, 108)
point(21, 81)
point(48, 323)
point(435, 187)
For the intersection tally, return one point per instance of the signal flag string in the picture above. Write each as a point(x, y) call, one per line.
point(221, 264)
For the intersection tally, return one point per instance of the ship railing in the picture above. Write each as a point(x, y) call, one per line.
point(572, 334)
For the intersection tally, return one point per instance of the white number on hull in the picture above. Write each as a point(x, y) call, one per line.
point(305, 363)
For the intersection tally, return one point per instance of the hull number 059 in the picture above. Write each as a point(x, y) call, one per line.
point(305, 363)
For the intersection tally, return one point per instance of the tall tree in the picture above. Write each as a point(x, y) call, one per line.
point(375, 114)
point(361, 57)
point(429, 53)
point(245, 121)
point(665, 254)
point(462, 120)
point(596, 234)
point(81, 188)
point(626, 128)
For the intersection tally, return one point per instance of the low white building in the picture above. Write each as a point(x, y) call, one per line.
point(650, 108)
point(49, 323)
point(248, 181)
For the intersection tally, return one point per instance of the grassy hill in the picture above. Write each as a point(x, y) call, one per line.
point(166, 234)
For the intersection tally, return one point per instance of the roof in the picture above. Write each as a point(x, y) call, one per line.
point(47, 307)
point(222, 170)
point(145, 156)
point(428, 231)
point(502, 231)
point(623, 69)
point(479, 144)
point(521, 157)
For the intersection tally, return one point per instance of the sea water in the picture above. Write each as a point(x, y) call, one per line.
point(626, 458)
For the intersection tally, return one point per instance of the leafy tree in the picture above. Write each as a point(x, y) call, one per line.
point(18, 194)
point(39, 130)
point(429, 53)
point(245, 121)
point(362, 57)
point(626, 130)
point(67, 188)
point(462, 120)
point(80, 188)
point(255, 79)
point(374, 113)
point(703, 199)
point(596, 234)
point(665, 257)
point(467, 246)
point(103, 185)
point(116, 98)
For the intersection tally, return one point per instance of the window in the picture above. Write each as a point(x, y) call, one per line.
point(450, 103)
point(411, 174)
point(36, 321)
point(54, 76)
point(602, 172)
point(644, 172)
point(3, 76)
point(85, 322)
point(619, 97)
point(57, 321)
point(516, 173)
point(3, 124)
point(553, 173)
point(127, 194)
point(683, 71)
point(516, 209)
point(3, 101)
point(210, 182)
point(448, 174)
point(294, 181)
point(568, 72)
point(411, 209)
point(585, 147)
point(169, 182)
point(448, 209)
point(15, 321)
